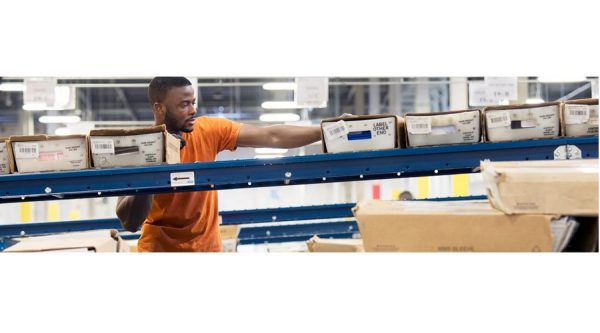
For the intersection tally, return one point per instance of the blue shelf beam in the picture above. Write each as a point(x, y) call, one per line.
point(287, 214)
point(292, 170)
point(297, 232)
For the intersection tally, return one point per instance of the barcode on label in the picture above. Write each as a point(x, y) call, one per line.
point(336, 130)
point(577, 114)
point(103, 146)
point(498, 119)
point(419, 125)
point(26, 150)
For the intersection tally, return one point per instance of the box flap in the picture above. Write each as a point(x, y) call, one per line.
point(127, 131)
point(584, 101)
point(95, 241)
point(172, 149)
point(519, 106)
point(317, 244)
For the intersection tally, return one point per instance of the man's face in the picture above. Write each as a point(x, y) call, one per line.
point(180, 109)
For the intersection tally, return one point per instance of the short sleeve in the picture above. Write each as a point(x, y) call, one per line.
point(226, 133)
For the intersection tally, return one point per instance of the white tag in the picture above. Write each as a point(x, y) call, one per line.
point(576, 114)
point(337, 130)
point(419, 125)
point(182, 179)
point(103, 146)
point(477, 95)
point(39, 91)
point(501, 88)
point(311, 92)
point(498, 119)
point(26, 150)
point(443, 130)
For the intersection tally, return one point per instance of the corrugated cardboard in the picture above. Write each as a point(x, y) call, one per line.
point(371, 132)
point(579, 117)
point(441, 128)
point(465, 226)
point(87, 241)
point(133, 147)
point(566, 187)
point(521, 122)
point(4, 157)
point(54, 153)
point(316, 244)
point(229, 237)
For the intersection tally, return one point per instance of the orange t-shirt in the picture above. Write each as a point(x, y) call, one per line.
point(188, 221)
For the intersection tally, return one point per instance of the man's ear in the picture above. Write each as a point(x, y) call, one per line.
point(159, 112)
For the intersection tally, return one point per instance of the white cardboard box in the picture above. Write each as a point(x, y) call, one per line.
point(359, 133)
point(229, 237)
point(4, 157)
point(579, 117)
point(34, 153)
point(454, 127)
point(522, 122)
point(133, 147)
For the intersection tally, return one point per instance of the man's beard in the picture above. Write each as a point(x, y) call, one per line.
point(171, 124)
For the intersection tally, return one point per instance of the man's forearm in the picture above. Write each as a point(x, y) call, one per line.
point(132, 210)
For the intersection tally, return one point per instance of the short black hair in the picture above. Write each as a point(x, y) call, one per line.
point(161, 84)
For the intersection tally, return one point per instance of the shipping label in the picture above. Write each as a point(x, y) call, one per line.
point(497, 119)
point(103, 146)
point(419, 125)
point(26, 150)
point(576, 114)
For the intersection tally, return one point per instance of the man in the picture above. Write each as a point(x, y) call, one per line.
point(188, 221)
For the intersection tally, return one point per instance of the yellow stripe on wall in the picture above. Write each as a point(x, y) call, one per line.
point(53, 211)
point(26, 212)
point(74, 214)
point(422, 187)
point(460, 185)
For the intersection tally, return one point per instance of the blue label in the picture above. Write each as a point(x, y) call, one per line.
point(359, 135)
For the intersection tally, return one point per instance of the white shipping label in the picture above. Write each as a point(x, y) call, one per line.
point(26, 150)
point(103, 146)
point(335, 131)
point(497, 119)
point(419, 125)
point(182, 179)
point(576, 114)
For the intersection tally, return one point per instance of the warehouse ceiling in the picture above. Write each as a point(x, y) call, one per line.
point(125, 100)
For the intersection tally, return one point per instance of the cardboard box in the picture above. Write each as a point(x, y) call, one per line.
point(34, 153)
point(4, 157)
point(88, 241)
point(522, 122)
point(441, 128)
point(316, 244)
point(111, 148)
point(359, 133)
point(565, 187)
point(462, 226)
point(579, 117)
point(229, 238)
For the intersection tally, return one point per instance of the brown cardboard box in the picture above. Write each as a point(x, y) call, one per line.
point(316, 244)
point(579, 117)
point(133, 147)
point(229, 237)
point(465, 226)
point(33, 153)
point(4, 157)
point(565, 187)
point(441, 128)
point(87, 241)
point(521, 122)
point(359, 133)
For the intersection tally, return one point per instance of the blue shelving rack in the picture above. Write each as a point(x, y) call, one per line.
point(294, 170)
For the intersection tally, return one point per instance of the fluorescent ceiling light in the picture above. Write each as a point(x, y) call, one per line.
point(62, 131)
point(279, 117)
point(59, 119)
point(534, 101)
point(280, 105)
point(264, 157)
point(561, 79)
point(270, 150)
point(279, 86)
point(12, 86)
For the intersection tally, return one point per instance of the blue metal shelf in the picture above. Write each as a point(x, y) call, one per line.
point(293, 170)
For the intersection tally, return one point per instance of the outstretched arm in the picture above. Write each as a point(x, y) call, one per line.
point(278, 136)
